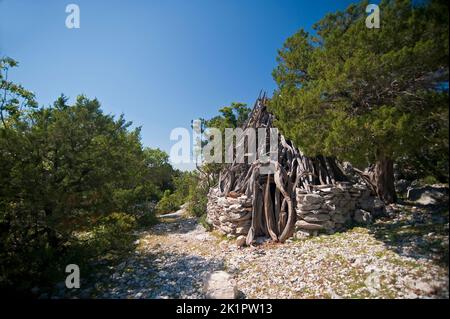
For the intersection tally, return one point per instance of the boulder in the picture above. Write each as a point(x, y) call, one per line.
point(240, 241)
point(220, 285)
point(379, 208)
point(366, 204)
point(362, 217)
point(301, 234)
point(428, 195)
point(372, 204)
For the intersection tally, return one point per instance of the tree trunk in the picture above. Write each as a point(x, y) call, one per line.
point(382, 178)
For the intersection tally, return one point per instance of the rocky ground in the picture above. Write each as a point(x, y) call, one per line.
point(403, 255)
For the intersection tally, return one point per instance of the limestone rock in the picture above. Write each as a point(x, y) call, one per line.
point(240, 241)
point(308, 207)
point(428, 195)
point(313, 218)
point(220, 285)
point(362, 217)
point(301, 224)
point(242, 230)
point(310, 199)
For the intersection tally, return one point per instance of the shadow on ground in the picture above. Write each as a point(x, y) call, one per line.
point(416, 231)
point(177, 225)
point(153, 275)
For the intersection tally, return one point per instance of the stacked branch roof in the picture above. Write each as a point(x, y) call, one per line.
point(293, 195)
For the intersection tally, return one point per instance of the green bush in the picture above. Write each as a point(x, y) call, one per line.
point(197, 200)
point(113, 234)
point(170, 202)
point(202, 220)
point(61, 168)
point(147, 219)
point(110, 238)
point(429, 180)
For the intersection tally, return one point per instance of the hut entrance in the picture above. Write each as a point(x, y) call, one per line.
point(271, 225)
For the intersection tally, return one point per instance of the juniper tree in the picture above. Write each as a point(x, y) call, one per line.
point(367, 95)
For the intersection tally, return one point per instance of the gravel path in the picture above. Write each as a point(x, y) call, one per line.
point(405, 256)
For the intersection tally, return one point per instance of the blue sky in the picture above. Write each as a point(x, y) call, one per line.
point(160, 62)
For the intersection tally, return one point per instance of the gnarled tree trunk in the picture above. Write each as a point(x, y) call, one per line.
point(382, 179)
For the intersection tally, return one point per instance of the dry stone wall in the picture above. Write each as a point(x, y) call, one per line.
point(328, 208)
point(229, 215)
point(331, 208)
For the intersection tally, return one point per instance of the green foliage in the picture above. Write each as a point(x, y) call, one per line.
point(172, 200)
point(14, 96)
point(364, 94)
point(66, 170)
point(147, 219)
point(231, 116)
point(186, 190)
point(197, 196)
point(190, 189)
point(204, 223)
point(197, 200)
point(169, 203)
point(112, 234)
point(159, 172)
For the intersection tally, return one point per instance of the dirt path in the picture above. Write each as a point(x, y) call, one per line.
point(401, 257)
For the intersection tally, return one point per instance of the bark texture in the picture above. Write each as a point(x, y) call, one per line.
point(272, 183)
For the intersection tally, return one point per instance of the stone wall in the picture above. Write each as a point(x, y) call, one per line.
point(327, 209)
point(229, 215)
point(331, 208)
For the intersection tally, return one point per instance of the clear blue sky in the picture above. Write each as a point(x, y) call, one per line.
point(160, 62)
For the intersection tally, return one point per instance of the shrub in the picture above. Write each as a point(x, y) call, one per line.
point(429, 180)
point(197, 200)
point(203, 221)
point(169, 202)
point(147, 219)
point(113, 234)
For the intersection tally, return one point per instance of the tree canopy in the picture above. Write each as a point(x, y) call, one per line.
point(368, 95)
point(63, 169)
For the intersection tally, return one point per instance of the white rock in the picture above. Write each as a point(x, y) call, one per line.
point(220, 285)
point(242, 230)
point(223, 219)
point(426, 195)
point(311, 199)
point(240, 241)
point(302, 234)
point(313, 218)
point(309, 226)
